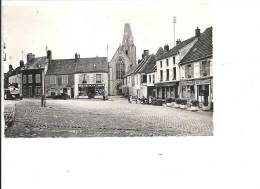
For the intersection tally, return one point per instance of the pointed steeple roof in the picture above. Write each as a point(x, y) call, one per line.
point(128, 38)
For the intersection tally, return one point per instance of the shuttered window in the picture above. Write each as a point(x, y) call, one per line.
point(24, 79)
point(204, 68)
point(30, 78)
point(53, 79)
point(98, 78)
point(65, 79)
point(38, 78)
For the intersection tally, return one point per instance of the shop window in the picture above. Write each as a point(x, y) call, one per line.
point(98, 78)
point(38, 91)
point(38, 78)
point(30, 78)
point(167, 74)
point(52, 91)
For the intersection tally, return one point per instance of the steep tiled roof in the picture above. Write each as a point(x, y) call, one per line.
point(131, 70)
point(61, 66)
point(95, 64)
point(81, 65)
point(149, 65)
point(175, 49)
point(202, 48)
point(36, 63)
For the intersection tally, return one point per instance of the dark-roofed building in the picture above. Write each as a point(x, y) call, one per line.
point(91, 78)
point(196, 71)
point(59, 77)
point(32, 75)
point(78, 77)
point(167, 68)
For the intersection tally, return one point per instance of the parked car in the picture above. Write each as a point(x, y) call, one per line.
point(12, 94)
point(62, 96)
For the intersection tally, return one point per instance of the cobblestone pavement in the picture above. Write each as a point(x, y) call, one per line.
point(97, 118)
point(9, 112)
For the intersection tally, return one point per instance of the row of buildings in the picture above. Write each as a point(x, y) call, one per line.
point(76, 77)
point(184, 71)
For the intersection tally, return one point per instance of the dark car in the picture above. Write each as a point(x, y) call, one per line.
point(61, 96)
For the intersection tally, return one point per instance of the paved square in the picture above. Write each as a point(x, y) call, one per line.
point(97, 118)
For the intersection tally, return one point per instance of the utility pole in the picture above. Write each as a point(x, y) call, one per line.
point(43, 99)
point(108, 75)
point(174, 22)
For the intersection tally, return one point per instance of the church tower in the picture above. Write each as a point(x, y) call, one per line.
point(128, 44)
point(123, 59)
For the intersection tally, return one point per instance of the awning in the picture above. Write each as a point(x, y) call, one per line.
point(167, 84)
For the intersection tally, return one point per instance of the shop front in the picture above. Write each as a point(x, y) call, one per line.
point(200, 89)
point(91, 90)
point(167, 90)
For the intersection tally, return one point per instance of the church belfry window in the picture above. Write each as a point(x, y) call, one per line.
point(120, 68)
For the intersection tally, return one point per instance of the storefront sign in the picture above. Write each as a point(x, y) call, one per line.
point(187, 82)
point(202, 82)
point(91, 85)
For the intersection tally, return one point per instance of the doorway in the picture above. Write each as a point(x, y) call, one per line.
point(30, 91)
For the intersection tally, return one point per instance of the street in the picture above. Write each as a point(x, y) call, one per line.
point(97, 118)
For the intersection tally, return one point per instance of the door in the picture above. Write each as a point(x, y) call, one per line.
point(30, 91)
point(72, 92)
point(65, 91)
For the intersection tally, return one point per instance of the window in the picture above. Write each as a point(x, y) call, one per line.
point(98, 78)
point(189, 71)
point(205, 68)
point(30, 78)
point(24, 79)
point(161, 75)
point(38, 78)
point(53, 79)
point(144, 79)
point(167, 74)
point(64, 79)
point(153, 78)
point(38, 91)
point(160, 63)
point(150, 78)
point(174, 74)
point(167, 62)
point(120, 68)
point(173, 58)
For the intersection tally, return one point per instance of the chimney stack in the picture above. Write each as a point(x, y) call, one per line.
point(178, 41)
point(49, 55)
point(145, 53)
point(30, 57)
point(21, 63)
point(10, 67)
point(197, 32)
point(166, 47)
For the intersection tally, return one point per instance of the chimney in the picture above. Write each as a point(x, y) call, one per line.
point(30, 57)
point(10, 67)
point(178, 41)
point(21, 63)
point(145, 53)
point(76, 56)
point(49, 55)
point(197, 32)
point(166, 47)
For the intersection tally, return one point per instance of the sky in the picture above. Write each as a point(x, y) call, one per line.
point(88, 27)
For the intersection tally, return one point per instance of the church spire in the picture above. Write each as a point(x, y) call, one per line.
point(128, 38)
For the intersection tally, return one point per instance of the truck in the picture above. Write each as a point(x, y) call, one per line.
point(12, 92)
